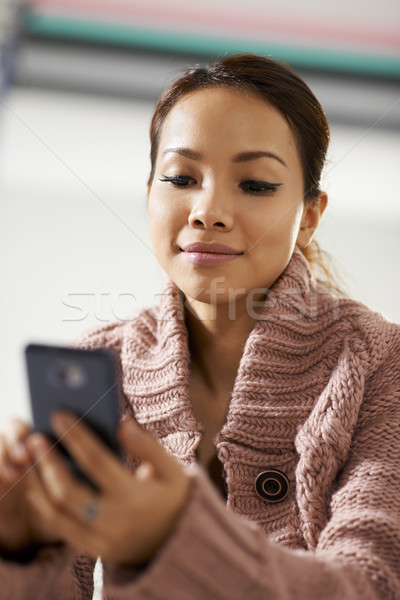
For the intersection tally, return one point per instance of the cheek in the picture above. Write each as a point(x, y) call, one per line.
point(158, 212)
point(156, 220)
point(165, 220)
point(279, 226)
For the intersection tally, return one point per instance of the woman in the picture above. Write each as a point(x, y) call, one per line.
point(278, 399)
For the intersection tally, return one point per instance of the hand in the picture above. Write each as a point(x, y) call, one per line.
point(136, 512)
point(18, 530)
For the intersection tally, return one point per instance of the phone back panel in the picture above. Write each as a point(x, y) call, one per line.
point(81, 381)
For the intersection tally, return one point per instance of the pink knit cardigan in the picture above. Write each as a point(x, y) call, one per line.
point(317, 397)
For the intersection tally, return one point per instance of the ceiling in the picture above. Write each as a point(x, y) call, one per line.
point(348, 52)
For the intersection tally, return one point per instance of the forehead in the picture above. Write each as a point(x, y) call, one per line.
point(233, 118)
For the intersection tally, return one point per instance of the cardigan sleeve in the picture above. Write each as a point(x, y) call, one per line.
point(54, 573)
point(214, 553)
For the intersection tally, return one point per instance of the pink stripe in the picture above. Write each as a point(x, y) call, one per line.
point(189, 19)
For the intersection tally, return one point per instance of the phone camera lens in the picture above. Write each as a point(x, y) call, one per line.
point(67, 374)
point(62, 376)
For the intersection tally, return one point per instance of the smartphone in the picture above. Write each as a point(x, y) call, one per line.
point(80, 381)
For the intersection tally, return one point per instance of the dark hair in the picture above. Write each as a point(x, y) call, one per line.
point(281, 87)
point(276, 84)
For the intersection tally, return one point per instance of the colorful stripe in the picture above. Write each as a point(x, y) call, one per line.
point(194, 42)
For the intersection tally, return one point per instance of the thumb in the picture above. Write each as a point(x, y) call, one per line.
point(139, 443)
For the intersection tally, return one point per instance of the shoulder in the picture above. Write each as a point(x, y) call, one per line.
point(372, 325)
point(374, 337)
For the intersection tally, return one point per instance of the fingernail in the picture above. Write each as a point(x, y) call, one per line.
point(37, 445)
point(19, 450)
point(61, 422)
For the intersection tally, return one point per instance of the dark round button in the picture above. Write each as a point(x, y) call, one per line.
point(272, 486)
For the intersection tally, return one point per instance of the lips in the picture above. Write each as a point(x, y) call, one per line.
point(211, 253)
point(210, 248)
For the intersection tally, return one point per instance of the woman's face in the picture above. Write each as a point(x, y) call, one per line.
point(226, 202)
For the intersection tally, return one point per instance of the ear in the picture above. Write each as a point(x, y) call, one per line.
point(312, 212)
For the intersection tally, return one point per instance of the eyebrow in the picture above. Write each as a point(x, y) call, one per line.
point(183, 152)
point(253, 155)
point(242, 157)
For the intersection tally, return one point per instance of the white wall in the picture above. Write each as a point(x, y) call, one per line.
point(73, 220)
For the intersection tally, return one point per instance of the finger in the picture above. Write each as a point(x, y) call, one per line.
point(8, 472)
point(15, 435)
point(63, 490)
point(138, 443)
point(92, 455)
point(65, 527)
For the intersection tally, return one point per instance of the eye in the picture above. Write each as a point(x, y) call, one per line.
point(177, 180)
point(259, 188)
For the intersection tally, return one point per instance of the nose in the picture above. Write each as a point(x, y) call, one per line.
point(210, 214)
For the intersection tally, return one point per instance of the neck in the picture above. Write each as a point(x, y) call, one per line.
point(217, 336)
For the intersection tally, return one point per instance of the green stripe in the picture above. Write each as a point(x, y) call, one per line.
point(320, 58)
